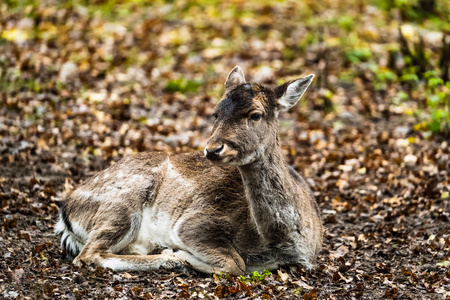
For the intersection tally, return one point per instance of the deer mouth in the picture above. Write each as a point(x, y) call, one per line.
point(222, 155)
point(222, 160)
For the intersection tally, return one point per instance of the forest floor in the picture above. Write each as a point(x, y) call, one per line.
point(82, 87)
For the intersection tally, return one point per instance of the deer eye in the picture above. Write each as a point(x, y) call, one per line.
point(256, 116)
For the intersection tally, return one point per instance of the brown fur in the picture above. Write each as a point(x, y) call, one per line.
point(242, 209)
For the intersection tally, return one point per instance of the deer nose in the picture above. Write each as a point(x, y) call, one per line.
point(213, 151)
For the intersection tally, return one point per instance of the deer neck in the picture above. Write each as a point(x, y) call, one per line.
point(272, 193)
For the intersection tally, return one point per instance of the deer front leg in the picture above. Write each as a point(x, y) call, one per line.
point(98, 252)
point(228, 261)
point(207, 248)
point(134, 262)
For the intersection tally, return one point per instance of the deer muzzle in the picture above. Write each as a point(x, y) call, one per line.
point(214, 150)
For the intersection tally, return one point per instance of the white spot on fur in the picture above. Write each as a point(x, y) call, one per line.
point(141, 248)
point(277, 214)
point(251, 158)
point(226, 159)
point(83, 194)
point(160, 167)
point(156, 169)
point(60, 226)
point(79, 231)
point(117, 264)
point(144, 243)
point(156, 228)
point(96, 179)
point(174, 175)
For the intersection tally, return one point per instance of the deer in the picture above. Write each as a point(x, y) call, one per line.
point(236, 208)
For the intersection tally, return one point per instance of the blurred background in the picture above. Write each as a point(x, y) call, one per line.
point(83, 83)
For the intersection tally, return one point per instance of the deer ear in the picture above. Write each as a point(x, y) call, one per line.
point(289, 93)
point(235, 78)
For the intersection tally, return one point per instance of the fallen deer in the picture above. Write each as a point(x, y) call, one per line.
point(235, 209)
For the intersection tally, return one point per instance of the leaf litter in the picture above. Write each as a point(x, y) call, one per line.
point(82, 87)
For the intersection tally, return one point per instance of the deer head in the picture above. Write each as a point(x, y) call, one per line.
point(246, 125)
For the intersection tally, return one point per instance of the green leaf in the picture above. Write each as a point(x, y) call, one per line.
point(445, 263)
point(346, 22)
point(358, 55)
point(409, 78)
point(183, 85)
point(434, 82)
point(435, 126)
point(255, 276)
point(433, 100)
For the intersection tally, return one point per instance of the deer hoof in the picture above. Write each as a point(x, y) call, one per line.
point(175, 264)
